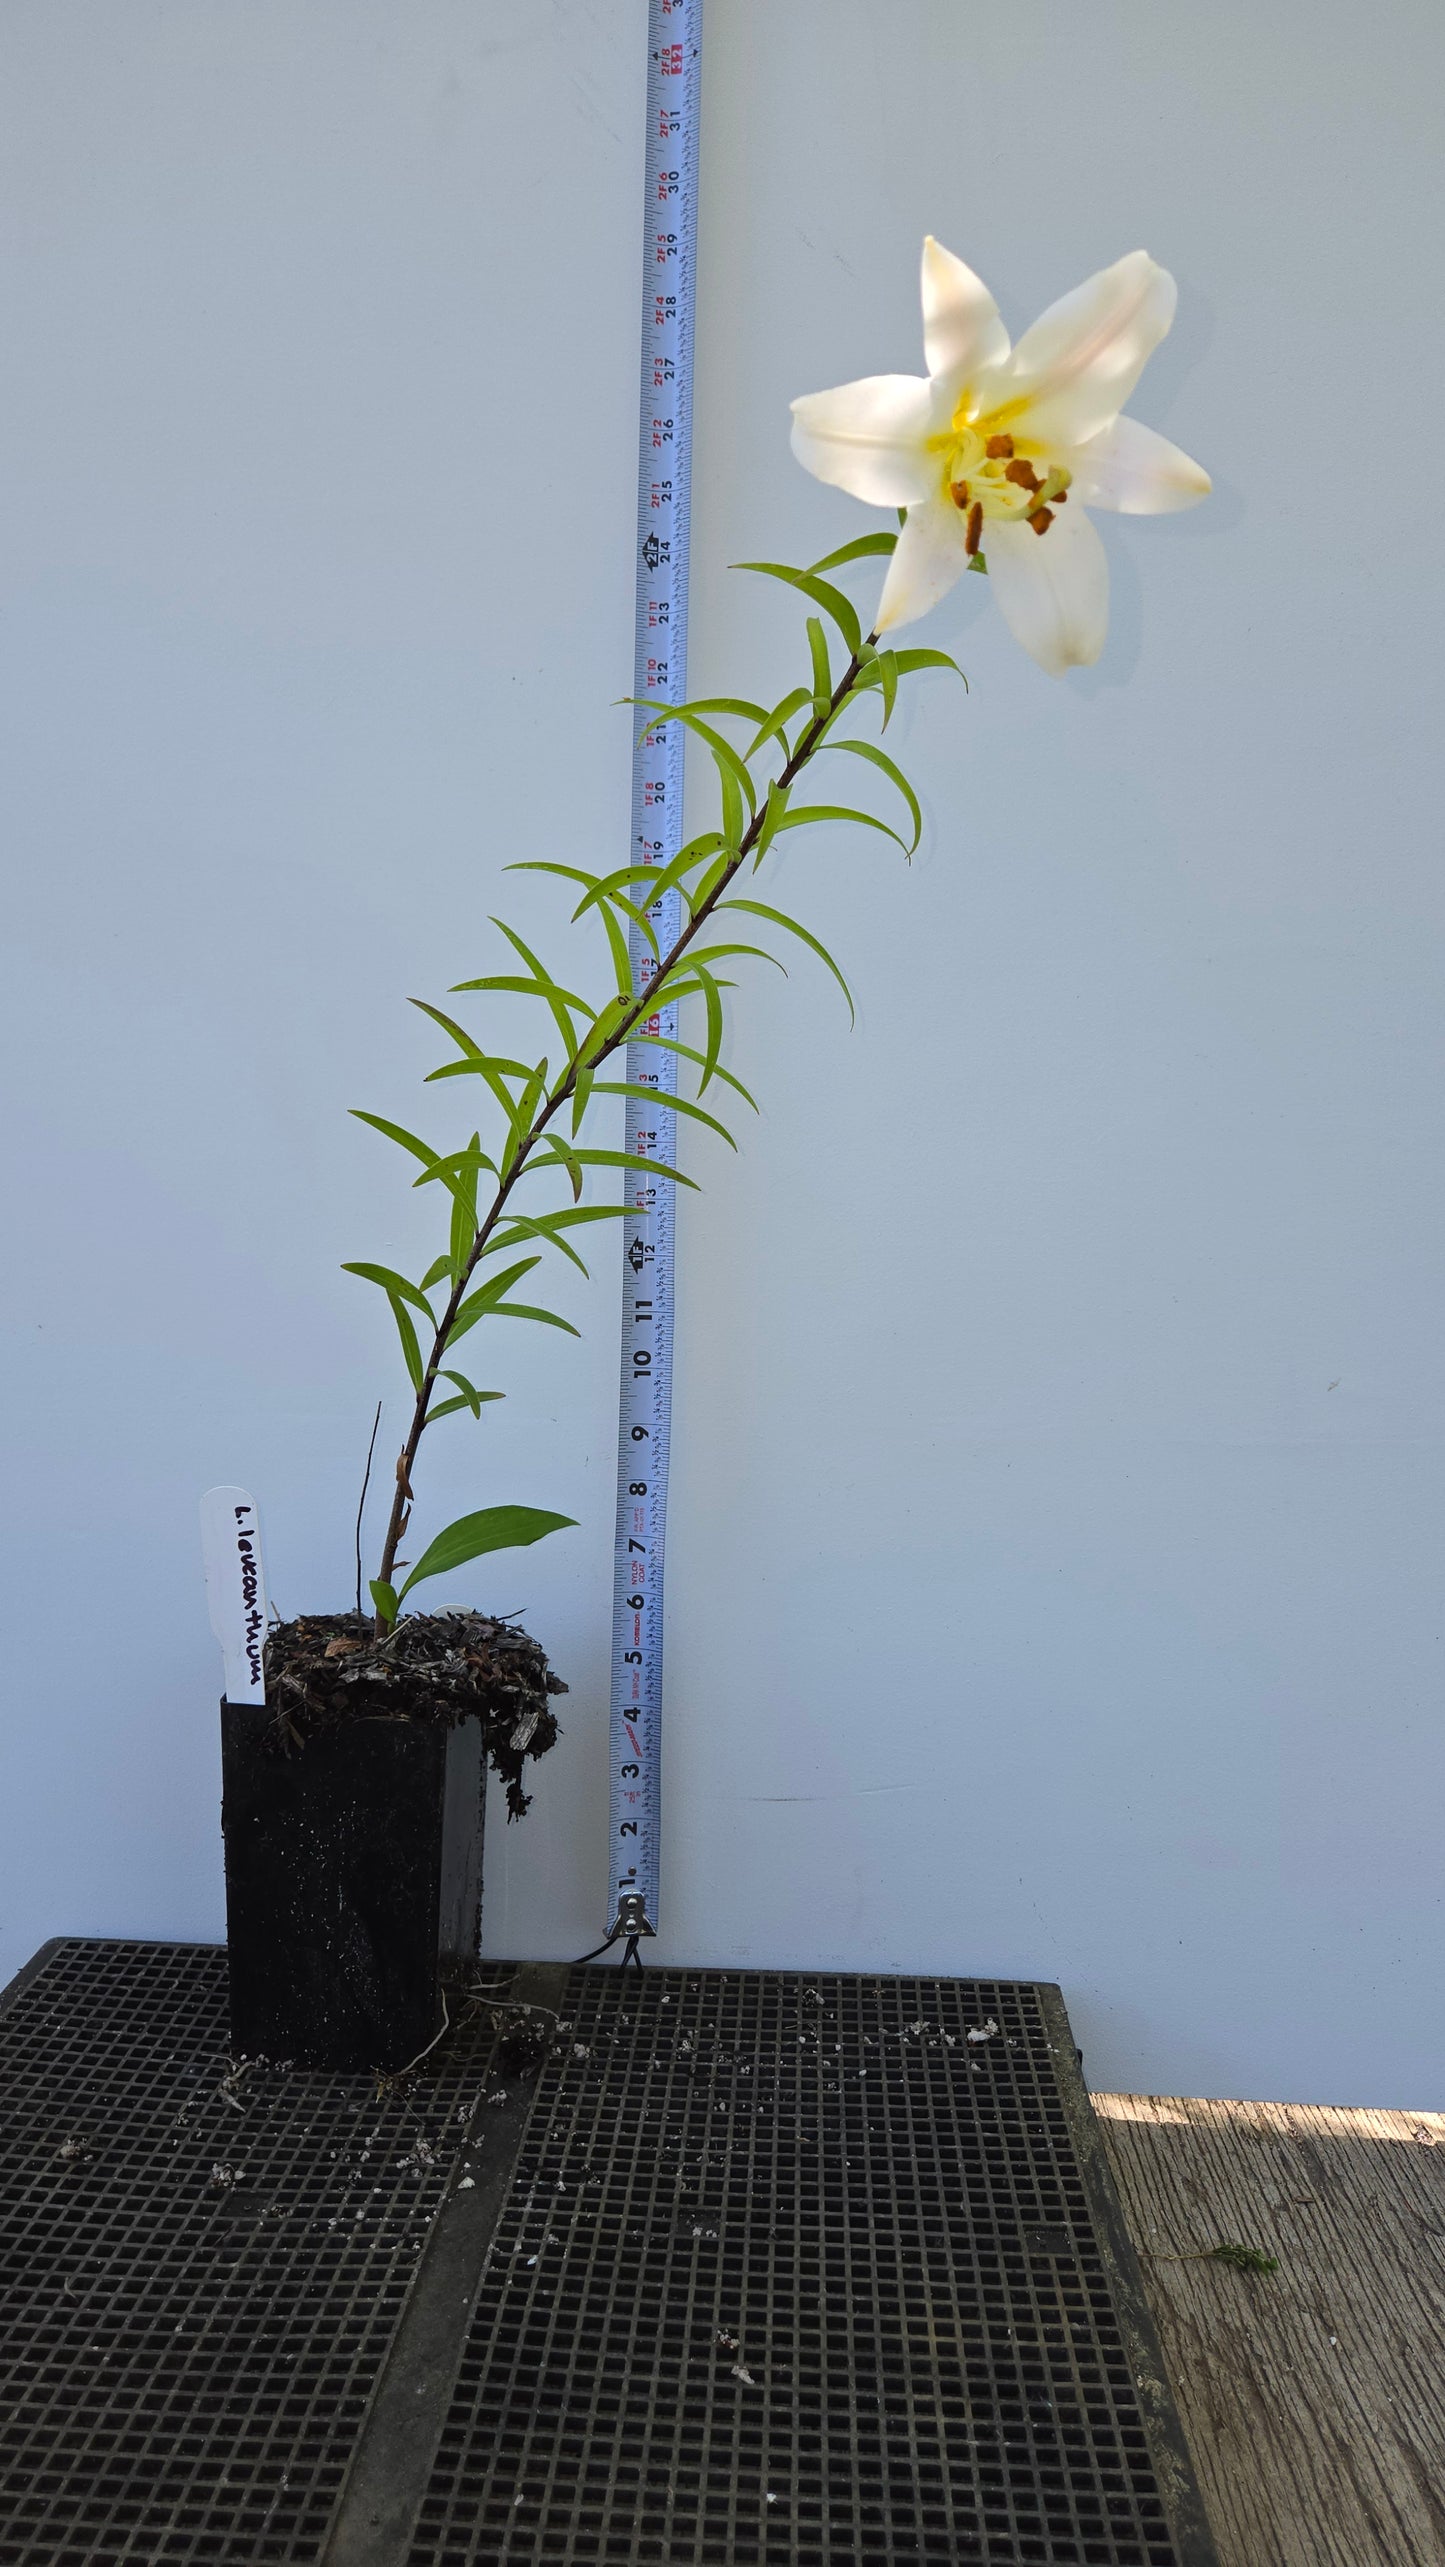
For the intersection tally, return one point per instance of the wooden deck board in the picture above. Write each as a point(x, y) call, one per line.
point(1313, 2399)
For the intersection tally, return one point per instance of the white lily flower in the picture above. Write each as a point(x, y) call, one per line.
point(998, 451)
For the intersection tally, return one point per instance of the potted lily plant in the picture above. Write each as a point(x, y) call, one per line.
point(343, 1793)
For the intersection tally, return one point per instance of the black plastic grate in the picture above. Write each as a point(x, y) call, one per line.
point(203, 2275)
point(808, 2270)
point(781, 2269)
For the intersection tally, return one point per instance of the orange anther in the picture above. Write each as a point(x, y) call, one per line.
point(1024, 474)
point(973, 531)
point(1041, 519)
point(958, 493)
point(999, 446)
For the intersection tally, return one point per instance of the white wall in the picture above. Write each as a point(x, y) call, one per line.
point(1054, 1583)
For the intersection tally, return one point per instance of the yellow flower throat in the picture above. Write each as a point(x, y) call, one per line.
point(986, 476)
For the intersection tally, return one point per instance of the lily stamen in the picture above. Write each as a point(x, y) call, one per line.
point(998, 446)
point(973, 531)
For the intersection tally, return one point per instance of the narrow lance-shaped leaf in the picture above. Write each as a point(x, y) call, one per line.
point(807, 815)
point(657, 879)
point(556, 1153)
point(735, 704)
point(773, 810)
point(455, 1169)
point(859, 550)
point(520, 987)
point(549, 1228)
point(492, 1528)
point(599, 1035)
point(598, 895)
point(706, 884)
point(472, 1398)
point(712, 996)
point(583, 1079)
point(524, 1116)
point(732, 808)
point(391, 1282)
point(666, 1101)
point(779, 918)
point(635, 913)
point(405, 1330)
point(720, 747)
point(630, 1159)
point(557, 999)
point(822, 673)
point(394, 1132)
point(463, 1040)
point(774, 728)
point(617, 941)
point(675, 987)
point(464, 1210)
point(670, 1043)
point(822, 593)
point(721, 953)
point(528, 1310)
point(879, 758)
point(905, 664)
point(478, 1303)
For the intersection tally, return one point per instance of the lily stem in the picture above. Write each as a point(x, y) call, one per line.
point(642, 1006)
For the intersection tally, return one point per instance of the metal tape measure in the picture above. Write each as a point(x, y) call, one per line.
point(669, 234)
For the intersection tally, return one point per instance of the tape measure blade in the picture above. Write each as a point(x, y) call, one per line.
point(660, 676)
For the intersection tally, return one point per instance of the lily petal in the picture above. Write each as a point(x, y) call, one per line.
point(928, 557)
point(868, 438)
point(961, 325)
point(1080, 361)
point(1052, 589)
point(1133, 468)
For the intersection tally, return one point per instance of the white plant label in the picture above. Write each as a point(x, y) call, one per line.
point(236, 1588)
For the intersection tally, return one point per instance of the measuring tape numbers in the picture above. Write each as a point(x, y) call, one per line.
point(660, 676)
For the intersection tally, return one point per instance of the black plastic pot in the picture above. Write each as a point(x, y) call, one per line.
point(353, 1879)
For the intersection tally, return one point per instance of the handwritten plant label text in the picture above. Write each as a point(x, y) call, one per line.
point(236, 1589)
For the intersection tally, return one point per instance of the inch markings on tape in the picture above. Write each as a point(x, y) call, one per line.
point(669, 234)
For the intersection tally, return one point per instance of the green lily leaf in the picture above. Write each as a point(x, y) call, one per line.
point(879, 758)
point(665, 1101)
point(857, 551)
point(822, 593)
point(721, 748)
point(393, 1283)
point(639, 1166)
point(492, 1528)
point(393, 1132)
point(406, 1331)
point(529, 1310)
point(779, 918)
point(477, 1304)
point(822, 673)
point(670, 1043)
point(803, 816)
point(774, 726)
point(472, 1398)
